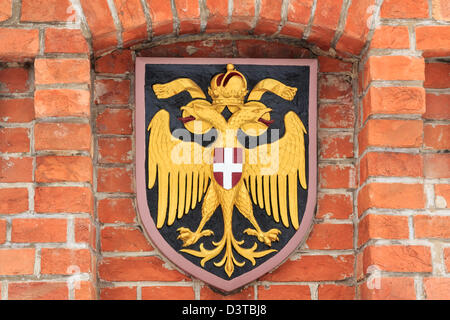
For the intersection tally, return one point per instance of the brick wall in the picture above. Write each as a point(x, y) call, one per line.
point(68, 223)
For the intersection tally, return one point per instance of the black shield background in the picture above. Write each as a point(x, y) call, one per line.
point(295, 76)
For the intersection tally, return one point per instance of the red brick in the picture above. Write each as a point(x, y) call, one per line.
point(101, 24)
point(334, 206)
point(437, 106)
point(284, 292)
point(391, 133)
point(293, 30)
point(327, 236)
point(52, 71)
point(264, 49)
point(161, 16)
point(62, 136)
point(63, 199)
point(335, 146)
point(389, 289)
point(16, 169)
point(132, 19)
point(390, 164)
point(436, 166)
point(433, 40)
point(404, 9)
point(115, 150)
point(269, 17)
point(62, 103)
point(204, 48)
point(109, 91)
point(394, 68)
point(85, 232)
point(16, 261)
point(432, 227)
point(137, 269)
point(115, 180)
point(16, 110)
point(356, 29)
point(123, 239)
point(39, 230)
point(118, 293)
point(218, 15)
point(38, 291)
point(437, 136)
point(85, 290)
point(299, 11)
point(390, 37)
point(63, 168)
point(335, 87)
point(13, 200)
point(441, 10)
point(188, 13)
point(335, 292)
point(398, 258)
point(65, 261)
point(14, 80)
point(46, 10)
point(337, 176)
point(393, 100)
point(245, 294)
point(336, 116)
point(116, 210)
point(442, 192)
point(327, 64)
point(18, 44)
point(447, 258)
point(313, 268)
point(14, 140)
point(2, 231)
point(359, 268)
point(242, 16)
point(391, 196)
point(115, 121)
point(437, 288)
point(325, 22)
point(117, 62)
point(5, 10)
point(167, 293)
point(437, 75)
point(65, 41)
point(382, 227)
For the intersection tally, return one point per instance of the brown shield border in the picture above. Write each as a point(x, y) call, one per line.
point(142, 206)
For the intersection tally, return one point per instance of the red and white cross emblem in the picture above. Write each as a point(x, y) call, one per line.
point(227, 166)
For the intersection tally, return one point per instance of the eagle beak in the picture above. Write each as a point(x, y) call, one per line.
point(186, 119)
point(266, 122)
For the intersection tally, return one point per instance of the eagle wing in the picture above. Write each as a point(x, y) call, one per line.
point(182, 169)
point(271, 172)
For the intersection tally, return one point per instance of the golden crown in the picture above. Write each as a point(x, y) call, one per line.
point(229, 88)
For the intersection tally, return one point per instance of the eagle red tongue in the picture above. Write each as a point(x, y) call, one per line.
point(186, 119)
point(266, 122)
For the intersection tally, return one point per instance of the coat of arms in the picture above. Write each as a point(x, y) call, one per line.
point(226, 184)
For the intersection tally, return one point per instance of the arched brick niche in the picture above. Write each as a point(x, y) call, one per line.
point(325, 263)
point(67, 144)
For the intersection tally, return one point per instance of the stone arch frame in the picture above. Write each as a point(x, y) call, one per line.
point(378, 65)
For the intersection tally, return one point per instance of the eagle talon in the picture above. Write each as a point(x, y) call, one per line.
point(266, 237)
point(189, 238)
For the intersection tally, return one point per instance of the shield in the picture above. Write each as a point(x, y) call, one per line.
point(226, 162)
point(227, 166)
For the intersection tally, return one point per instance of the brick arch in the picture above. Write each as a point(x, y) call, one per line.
point(341, 26)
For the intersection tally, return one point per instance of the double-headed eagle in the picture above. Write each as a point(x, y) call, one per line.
point(225, 172)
